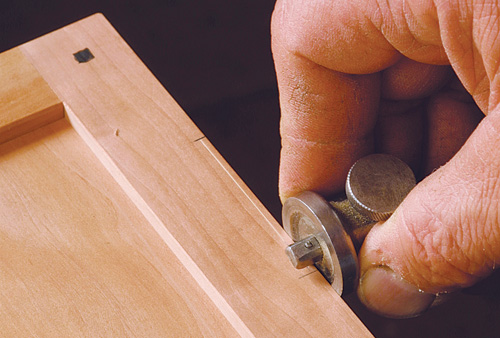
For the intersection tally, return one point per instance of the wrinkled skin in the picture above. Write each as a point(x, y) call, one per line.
point(417, 79)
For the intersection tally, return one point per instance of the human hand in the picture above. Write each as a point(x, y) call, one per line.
point(357, 77)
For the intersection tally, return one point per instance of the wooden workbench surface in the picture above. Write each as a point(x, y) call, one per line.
point(119, 218)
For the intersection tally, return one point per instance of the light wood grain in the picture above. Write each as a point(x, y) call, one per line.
point(26, 101)
point(226, 242)
point(78, 258)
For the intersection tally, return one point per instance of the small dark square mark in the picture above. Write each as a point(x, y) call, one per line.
point(84, 55)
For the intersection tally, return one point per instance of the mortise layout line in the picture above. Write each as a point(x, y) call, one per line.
point(199, 138)
point(281, 235)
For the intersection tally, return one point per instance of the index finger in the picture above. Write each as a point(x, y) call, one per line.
point(328, 112)
point(327, 123)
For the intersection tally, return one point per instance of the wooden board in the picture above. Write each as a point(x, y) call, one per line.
point(129, 223)
point(26, 100)
point(78, 258)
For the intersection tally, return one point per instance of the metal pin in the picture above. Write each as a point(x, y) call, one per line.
point(304, 252)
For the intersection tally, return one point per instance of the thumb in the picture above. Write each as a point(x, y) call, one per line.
point(444, 236)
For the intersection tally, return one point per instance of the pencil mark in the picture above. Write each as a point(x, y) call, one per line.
point(307, 274)
point(84, 55)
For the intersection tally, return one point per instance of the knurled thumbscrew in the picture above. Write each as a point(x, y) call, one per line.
point(328, 234)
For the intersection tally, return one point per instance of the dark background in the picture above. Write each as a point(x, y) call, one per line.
point(214, 58)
